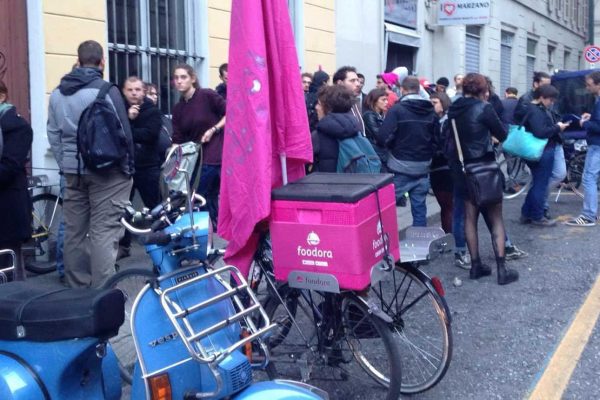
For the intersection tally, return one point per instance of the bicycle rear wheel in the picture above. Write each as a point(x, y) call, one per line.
point(421, 325)
point(358, 347)
point(517, 176)
point(130, 282)
point(40, 251)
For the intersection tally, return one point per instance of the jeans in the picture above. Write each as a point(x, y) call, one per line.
point(417, 188)
point(591, 170)
point(559, 171)
point(60, 235)
point(208, 187)
point(541, 171)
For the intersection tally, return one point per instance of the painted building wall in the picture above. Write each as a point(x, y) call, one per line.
point(56, 29)
point(313, 22)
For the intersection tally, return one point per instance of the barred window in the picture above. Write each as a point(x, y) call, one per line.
point(148, 38)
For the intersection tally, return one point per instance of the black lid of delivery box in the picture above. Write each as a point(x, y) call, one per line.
point(332, 187)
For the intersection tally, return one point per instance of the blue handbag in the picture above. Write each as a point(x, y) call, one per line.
point(523, 144)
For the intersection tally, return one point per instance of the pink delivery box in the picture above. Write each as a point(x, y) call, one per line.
point(327, 233)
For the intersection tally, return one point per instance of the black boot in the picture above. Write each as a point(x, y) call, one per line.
point(478, 269)
point(505, 275)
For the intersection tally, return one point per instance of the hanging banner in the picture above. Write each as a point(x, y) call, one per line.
point(464, 12)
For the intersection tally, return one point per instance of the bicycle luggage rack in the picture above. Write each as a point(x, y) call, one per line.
point(424, 244)
point(189, 336)
point(5, 270)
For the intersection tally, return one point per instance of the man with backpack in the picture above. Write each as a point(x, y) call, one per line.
point(408, 130)
point(89, 132)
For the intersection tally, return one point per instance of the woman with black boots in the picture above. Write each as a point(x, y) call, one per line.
point(476, 123)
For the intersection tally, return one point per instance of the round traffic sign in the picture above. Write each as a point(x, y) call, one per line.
point(591, 54)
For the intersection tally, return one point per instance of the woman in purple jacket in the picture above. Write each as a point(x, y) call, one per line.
point(200, 117)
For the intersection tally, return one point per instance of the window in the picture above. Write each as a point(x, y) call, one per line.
point(531, 48)
point(472, 48)
point(551, 52)
point(506, 42)
point(566, 59)
point(148, 38)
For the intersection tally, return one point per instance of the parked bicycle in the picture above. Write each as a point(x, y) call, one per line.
point(40, 251)
point(420, 321)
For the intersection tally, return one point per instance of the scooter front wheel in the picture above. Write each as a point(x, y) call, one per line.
point(130, 282)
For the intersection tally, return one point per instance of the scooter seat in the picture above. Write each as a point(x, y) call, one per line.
point(43, 312)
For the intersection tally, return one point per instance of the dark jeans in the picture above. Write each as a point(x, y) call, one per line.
point(208, 187)
point(541, 171)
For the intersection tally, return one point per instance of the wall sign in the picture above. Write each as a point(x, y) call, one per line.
point(401, 12)
point(464, 12)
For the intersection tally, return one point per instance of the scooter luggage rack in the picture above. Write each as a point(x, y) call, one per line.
point(191, 338)
point(5, 270)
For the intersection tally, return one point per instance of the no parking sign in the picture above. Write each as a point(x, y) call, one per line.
point(592, 54)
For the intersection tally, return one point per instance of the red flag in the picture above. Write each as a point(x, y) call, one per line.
point(266, 120)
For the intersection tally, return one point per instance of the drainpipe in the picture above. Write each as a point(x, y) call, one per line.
point(591, 22)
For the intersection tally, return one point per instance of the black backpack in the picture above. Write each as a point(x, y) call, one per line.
point(101, 140)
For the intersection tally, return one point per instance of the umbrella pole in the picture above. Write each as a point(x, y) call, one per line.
point(283, 160)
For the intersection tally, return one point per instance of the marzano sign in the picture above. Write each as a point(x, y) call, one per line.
point(464, 12)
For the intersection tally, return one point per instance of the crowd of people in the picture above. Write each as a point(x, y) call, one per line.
point(411, 124)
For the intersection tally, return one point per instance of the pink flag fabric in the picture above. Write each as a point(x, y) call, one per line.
point(266, 118)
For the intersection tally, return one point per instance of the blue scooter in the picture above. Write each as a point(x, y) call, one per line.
point(189, 326)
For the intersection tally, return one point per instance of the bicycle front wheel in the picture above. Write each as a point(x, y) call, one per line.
point(517, 176)
point(421, 325)
point(575, 174)
point(40, 252)
point(130, 282)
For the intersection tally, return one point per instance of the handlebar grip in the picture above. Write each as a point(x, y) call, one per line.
point(158, 238)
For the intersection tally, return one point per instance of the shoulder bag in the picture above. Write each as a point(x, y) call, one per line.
point(484, 180)
point(523, 144)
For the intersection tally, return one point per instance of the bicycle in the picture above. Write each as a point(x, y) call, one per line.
point(40, 251)
point(421, 322)
point(516, 173)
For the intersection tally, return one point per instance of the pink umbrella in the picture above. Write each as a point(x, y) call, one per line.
point(266, 135)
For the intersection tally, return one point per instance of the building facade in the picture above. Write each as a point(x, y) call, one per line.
point(519, 37)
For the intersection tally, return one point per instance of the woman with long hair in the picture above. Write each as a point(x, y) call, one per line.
point(476, 123)
point(199, 116)
point(376, 104)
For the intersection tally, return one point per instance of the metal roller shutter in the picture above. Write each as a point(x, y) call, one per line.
point(472, 54)
point(505, 67)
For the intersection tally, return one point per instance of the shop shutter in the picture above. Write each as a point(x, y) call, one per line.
point(472, 54)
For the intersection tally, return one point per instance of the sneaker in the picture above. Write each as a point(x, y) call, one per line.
point(513, 253)
point(462, 260)
point(544, 222)
point(524, 220)
point(581, 221)
point(378, 312)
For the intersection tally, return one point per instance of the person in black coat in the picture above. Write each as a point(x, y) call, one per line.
point(407, 131)
point(320, 79)
point(376, 104)
point(15, 202)
point(543, 123)
point(476, 123)
point(336, 122)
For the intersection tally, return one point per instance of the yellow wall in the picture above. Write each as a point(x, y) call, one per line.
point(219, 12)
point(66, 24)
point(319, 36)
